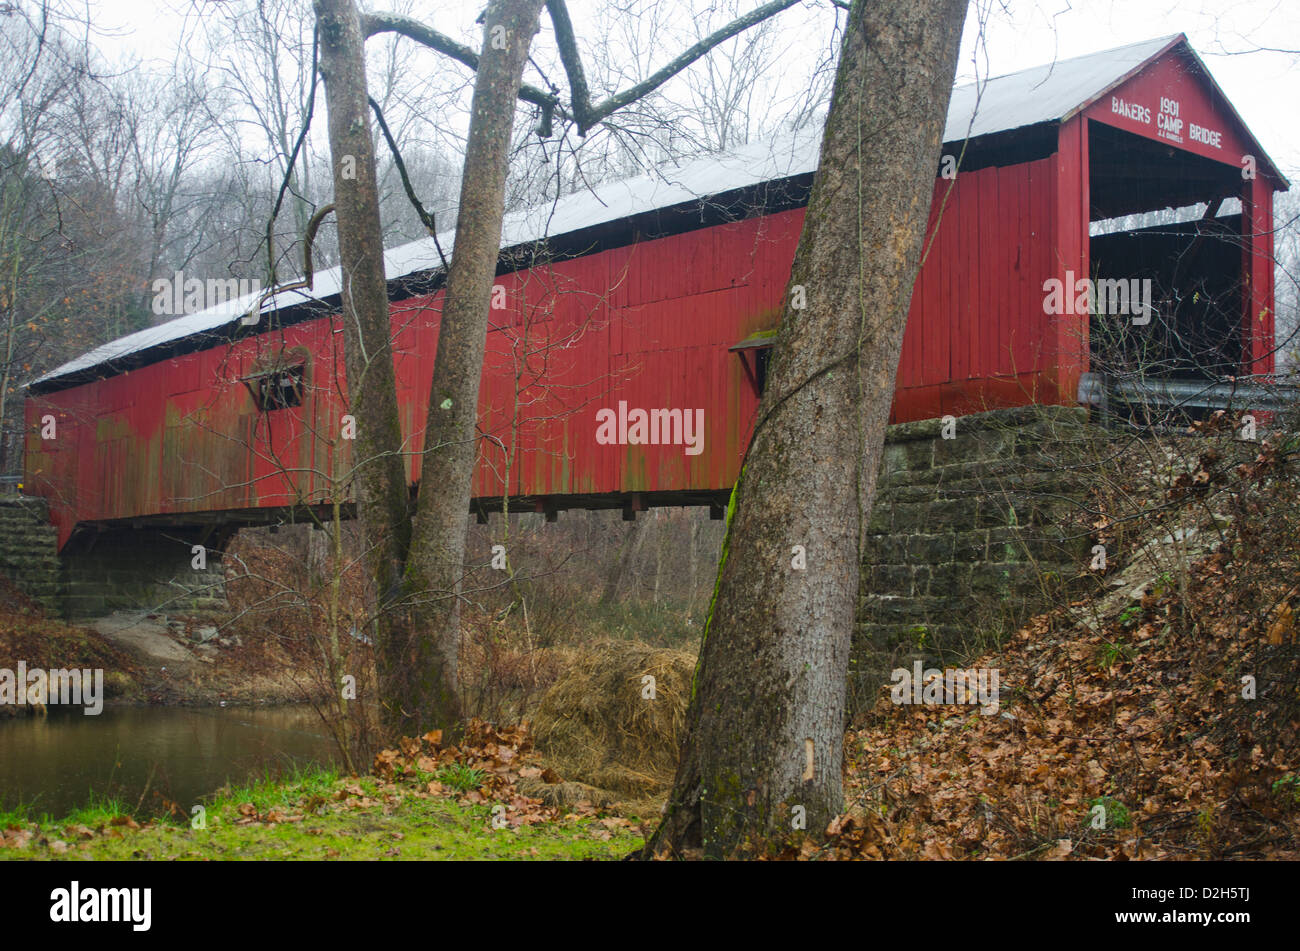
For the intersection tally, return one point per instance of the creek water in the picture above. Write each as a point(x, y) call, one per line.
point(141, 754)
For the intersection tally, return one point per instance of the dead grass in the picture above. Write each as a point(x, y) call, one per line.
point(598, 726)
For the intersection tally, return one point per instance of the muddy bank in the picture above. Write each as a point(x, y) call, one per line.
point(179, 660)
point(151, 658)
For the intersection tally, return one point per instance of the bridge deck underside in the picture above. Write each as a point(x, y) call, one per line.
point(551, 505)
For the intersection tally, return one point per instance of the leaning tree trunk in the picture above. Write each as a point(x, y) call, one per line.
point(450, 437)
point(379, 479)
point(765, 726)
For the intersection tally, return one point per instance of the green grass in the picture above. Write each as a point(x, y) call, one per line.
point(96, 812)
point(405, 828)
point(460, 777)
point(1109, 654)
point(284, 791)
point(1288, 787)
point(14, 815)
point(1116, 815)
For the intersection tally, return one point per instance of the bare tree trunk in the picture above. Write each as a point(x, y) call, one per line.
point(450, 437)
point(693, 560)
point(635, 566)
point(620, 566)
point(661, 540)
point(418, 568)
point(762, 759)
point(319, 545)
point(380, 488)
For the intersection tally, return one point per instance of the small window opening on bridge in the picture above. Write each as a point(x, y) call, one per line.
point(280, 388)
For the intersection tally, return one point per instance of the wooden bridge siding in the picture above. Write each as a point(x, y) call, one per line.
point(1257, 262)
point(977, 337)
point(650, 324)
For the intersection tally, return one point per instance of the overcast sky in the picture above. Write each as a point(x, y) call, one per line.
point(1243, 42)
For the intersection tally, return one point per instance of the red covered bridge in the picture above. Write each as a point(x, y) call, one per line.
point(657, 293)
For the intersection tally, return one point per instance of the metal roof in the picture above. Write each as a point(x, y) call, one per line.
point(1044, 93)
point(1025, 98)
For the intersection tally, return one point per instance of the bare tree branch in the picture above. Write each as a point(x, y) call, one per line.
point(587, 115)
point(308, 269)
point(375, 23)
point(426, 217)
point(292, 161)
point(579, 93)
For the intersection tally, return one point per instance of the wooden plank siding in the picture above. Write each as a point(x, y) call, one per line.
point(648, 324)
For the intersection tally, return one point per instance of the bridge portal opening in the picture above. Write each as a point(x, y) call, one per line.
point(1166, 261)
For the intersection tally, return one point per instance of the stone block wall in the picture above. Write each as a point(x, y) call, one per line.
point(29, 550)
point(969, 535)
point(142, 569)
point(101, 572)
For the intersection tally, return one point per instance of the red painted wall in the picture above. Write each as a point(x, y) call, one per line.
point(977, 337)
point(649, 324)
point(1136, 106)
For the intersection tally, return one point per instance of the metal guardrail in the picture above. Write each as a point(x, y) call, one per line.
point(1103, 391)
